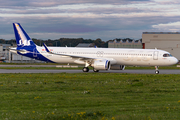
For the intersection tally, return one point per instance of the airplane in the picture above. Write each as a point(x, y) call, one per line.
point(97, 58)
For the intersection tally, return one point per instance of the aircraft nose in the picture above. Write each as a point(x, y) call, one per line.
point(175, 60)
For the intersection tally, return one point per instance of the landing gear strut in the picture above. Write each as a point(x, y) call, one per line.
point(85, 69)
point(157, 71)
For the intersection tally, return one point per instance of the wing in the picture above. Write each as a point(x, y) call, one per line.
point(73, 56)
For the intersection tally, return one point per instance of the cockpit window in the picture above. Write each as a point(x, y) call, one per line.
point(167, 55)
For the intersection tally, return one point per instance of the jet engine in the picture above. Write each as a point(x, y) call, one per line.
point(101, 65)
point(117, 67)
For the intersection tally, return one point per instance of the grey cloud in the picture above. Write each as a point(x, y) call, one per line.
point(88, 10)
point(93, 27)
point(105, 10)
point(106, 27)
point(47, 3)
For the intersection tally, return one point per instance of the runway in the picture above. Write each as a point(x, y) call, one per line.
point(80, 71)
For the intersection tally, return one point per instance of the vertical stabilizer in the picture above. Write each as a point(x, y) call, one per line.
point(22, 38)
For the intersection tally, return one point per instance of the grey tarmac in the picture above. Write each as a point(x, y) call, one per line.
point(80, 71)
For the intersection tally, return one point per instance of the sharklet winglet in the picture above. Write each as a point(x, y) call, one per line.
point(45, 46)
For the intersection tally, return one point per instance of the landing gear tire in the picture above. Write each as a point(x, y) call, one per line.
point(85, 69)
point(95, 70)
point(157, 71)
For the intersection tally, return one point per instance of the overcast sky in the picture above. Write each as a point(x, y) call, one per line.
point(89, 19)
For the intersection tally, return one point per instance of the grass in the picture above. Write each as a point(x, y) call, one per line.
point(80, 96)
point(4, 63)
point(151, 67)
point(43, 68)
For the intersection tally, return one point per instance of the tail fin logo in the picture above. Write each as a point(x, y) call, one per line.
point(22, 38)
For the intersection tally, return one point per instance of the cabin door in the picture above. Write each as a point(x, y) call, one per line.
point(155, 55)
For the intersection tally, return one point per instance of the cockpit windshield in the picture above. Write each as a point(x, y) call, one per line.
point(167, 55)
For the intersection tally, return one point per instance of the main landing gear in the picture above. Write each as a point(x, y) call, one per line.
point(85, 69)
point(157, 71)
point(95, 70)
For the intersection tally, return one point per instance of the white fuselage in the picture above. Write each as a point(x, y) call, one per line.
point(138, 57)
point(98, 58)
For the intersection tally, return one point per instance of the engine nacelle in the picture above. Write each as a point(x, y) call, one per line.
point(101, 65)
point(117, 67)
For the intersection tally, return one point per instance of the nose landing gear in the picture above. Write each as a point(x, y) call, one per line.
point(156, 71)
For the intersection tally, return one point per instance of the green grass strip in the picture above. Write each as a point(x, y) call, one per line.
point(89, 96)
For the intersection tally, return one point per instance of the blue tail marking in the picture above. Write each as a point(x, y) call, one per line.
point(22, 38)
point(24, 43)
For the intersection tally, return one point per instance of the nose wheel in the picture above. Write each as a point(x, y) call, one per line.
point(157, 71)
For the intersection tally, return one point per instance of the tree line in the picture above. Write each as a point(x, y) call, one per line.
point(62, 42)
